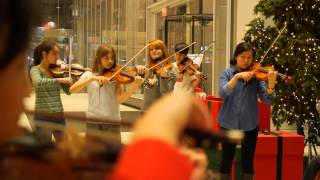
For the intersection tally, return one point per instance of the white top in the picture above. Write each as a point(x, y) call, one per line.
point(103, 101)
point(184, 82)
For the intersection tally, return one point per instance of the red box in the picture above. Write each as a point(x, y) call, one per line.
point(215, 105)
point(265, 158)
point(264, 116)
point(292, 155)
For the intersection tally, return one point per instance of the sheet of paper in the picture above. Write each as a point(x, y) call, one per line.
point(197, 58)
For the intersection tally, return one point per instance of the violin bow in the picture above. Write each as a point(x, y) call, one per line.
point(202, 52)
point(166, 59)
point(274, 41)
point(117, 72)
point(70, 54)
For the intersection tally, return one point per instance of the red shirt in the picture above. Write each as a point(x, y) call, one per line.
point(152, 159)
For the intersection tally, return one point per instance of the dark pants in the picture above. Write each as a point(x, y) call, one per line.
point(248, 147)
point(106, 131)
point(45, 135)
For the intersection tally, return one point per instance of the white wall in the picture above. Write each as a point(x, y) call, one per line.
point(243, 15)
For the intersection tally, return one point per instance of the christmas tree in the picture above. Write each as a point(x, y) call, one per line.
point(295, 53)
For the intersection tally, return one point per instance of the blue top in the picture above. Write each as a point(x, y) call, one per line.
point(240, 107)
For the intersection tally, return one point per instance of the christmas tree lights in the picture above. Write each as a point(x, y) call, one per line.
point(296, 53)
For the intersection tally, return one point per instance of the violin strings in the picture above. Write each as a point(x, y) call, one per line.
point(170, 57)
point(70, 54)
point(117, 72)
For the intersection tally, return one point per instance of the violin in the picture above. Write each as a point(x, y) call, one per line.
point(159, 66)
point(59, 70)
point(187, 65)
point(123, 77)
point(261, 73)
point(77, 157)
point(28, 158)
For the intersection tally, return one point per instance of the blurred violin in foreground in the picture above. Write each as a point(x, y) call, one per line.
point(77, 156)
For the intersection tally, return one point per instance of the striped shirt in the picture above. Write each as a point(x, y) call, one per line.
point(47, 91)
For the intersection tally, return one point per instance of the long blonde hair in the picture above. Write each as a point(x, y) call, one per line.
point(157, 44)
point(102, 51)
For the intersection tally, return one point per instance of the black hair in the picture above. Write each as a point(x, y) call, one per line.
point(45, 46)
point(241, 47)
point(180, 46)
point(16, 19)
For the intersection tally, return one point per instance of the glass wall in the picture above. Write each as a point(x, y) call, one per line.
point(222, 32)
point(186, 21)
point(128, 24)
point(120, 23)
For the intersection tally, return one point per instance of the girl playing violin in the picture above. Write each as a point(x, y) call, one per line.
point(104, 95)
point(16, 27)
point(162, 78)
point(186, 81)
point(47, 88)
point(239, 90)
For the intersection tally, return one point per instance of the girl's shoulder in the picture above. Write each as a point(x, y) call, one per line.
point(34, 68)
point(229, 71)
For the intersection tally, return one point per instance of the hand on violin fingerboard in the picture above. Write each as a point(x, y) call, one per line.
point(141, 69)
point(272, 77)
point(100, 79)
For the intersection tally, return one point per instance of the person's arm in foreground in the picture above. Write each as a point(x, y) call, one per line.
point(154, 152)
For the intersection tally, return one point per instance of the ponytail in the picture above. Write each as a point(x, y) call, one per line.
point(36, 56)
point(45, 46)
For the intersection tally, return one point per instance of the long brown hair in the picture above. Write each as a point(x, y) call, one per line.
point(157, 44)
point(45, 46)
point(102, 51)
